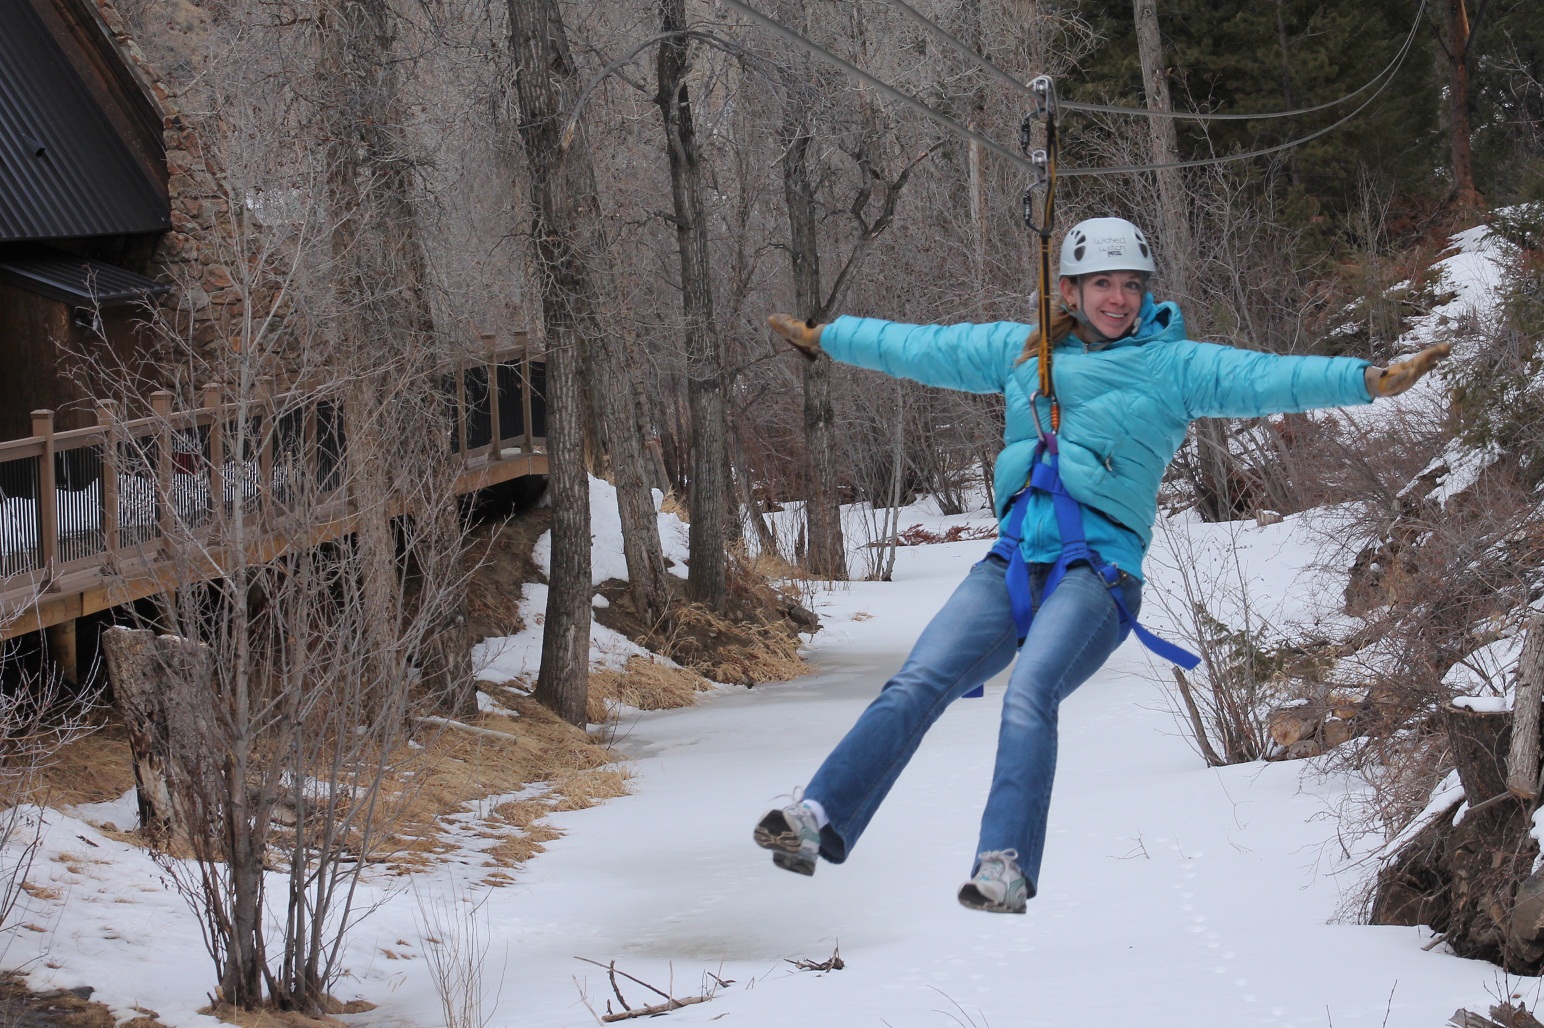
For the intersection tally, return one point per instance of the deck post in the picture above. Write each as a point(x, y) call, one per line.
point(161, 406)
point(60, 642)
point(491, 345)
point(528, 444)
point(265, 451)
point(107, 420)
point(311, 463)
point(216, 450)
point(461, 409)
point(46, 509)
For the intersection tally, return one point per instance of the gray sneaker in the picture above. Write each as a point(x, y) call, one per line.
point(792, 836)
point(998, 886)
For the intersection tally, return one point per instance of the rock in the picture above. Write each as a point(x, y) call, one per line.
point(1525, 925)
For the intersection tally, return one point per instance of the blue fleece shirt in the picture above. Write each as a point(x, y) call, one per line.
point(1125, 407)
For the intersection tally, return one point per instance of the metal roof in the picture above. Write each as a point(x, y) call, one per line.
point(79, 280)
point(65, 171)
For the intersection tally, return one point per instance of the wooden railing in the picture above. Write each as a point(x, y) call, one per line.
point(115, 499)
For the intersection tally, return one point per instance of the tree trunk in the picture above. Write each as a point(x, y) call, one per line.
point(1176, 251)
point(897, 475)
point(1173, 219)
point(709, 496)
point(1522, 766)
point(631, 467)
point(593, 314)
point(825, 554)
point(139, 690)
point(1462, 159)
point(545, 90)
point(387, 326)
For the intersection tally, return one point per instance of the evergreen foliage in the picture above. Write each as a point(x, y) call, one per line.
point(1508, 72)
point(1499, 394)
point(1241, 57)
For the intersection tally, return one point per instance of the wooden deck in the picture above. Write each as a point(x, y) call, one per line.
point(97, 517)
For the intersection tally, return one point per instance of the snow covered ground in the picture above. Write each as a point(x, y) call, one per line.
point(1171, 895)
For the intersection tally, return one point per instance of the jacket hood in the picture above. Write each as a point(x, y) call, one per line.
point(1156, 322)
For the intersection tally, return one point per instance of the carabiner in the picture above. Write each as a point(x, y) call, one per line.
point(1043, 89)
point(1042, 169)
point(1034, 412)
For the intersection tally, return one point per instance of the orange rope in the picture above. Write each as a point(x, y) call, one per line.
point(1047, 221)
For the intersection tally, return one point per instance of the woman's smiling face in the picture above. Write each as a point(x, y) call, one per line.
point(1110, 300)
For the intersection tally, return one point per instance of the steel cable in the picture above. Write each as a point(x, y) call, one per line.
point(943, 36)
point(1001, 151)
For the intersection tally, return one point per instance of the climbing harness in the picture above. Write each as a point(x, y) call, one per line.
point(1046, 477)
point(1045, 466)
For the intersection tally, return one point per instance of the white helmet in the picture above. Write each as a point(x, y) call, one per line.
point(1105, 244)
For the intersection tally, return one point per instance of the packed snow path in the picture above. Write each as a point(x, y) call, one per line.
point(1171, 894)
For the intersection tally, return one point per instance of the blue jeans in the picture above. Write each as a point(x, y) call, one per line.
point(971, 639)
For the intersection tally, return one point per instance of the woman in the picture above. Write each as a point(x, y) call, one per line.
point(1128, 384)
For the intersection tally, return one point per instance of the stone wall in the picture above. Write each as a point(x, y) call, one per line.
point(208, 256)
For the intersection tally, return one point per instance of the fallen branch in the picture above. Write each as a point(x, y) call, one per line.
point(671, 1003)
point(833, 963)
point(1502, 1015)
point(659, 1008)
point(1196, 724)
point(462, 726)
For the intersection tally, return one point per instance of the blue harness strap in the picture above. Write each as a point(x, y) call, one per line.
point(1046, 477)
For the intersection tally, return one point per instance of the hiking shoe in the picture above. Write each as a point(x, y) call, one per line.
point(792, 836)
point(998, 886)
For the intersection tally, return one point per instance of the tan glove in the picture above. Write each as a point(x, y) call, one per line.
point(1401, 375)
point(804, 335)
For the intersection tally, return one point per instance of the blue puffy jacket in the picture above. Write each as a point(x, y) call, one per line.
point(1125, 407)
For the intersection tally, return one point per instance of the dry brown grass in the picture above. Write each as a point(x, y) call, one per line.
point(93, 768)
point(772, 567)
point(581, 790)
point(740, 652)
point(503, 554)
point(671, 504)
point(451, 774)
point(456, 770)
point(642, 683)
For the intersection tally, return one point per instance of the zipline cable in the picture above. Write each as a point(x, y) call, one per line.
point(1001, 151)
point(943, 36)
point(895, 94)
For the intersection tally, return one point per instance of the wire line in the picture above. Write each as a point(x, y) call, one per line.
point(884, 87)
point(953, 126)
point(943, 36)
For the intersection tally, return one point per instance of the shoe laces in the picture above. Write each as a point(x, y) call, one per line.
point(996, 863)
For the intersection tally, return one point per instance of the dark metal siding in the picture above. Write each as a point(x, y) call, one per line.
point(79, 280)
point(64, 171)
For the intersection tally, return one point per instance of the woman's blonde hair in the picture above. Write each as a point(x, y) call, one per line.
point(1062, 323)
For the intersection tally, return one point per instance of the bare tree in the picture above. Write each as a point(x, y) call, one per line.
point(709, 497)
point(797, 135)
point(1209, 435)
point(545, 90)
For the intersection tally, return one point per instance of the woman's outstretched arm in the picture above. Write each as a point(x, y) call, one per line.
point(1223, 381)
point(972, 358)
